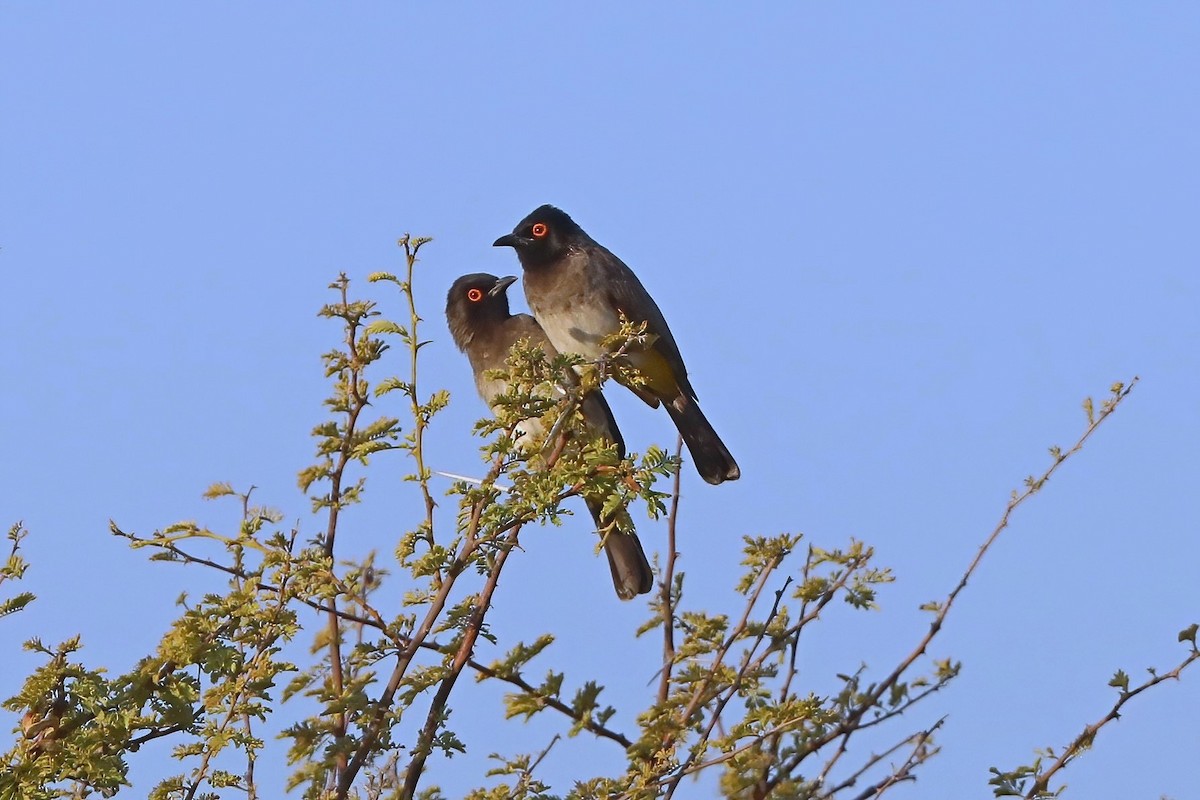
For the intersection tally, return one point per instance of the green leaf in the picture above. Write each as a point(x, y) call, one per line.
point(16, 603)
point(218, 490)
point(381, 326)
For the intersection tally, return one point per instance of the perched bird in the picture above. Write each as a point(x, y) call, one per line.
point(483, 328)
point(577, 290)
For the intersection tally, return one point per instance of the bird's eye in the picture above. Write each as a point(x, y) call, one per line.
point(539, 230)
point(474, 295)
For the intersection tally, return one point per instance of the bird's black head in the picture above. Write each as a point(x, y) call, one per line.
point(474, 304)
point(543, 237)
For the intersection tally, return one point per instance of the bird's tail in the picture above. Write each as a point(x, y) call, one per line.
point(631, 571)
point(712, 458)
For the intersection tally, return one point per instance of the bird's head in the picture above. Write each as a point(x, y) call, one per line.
point(476, 302)
point(543, 237)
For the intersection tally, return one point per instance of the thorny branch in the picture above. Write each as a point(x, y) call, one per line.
point(472, 540)
point(667, 593)
point(1083, 741)
point(853, 721)
point(461, 659)
point(698, 695)
point(356, 402)
point(919, 753)
point(420, 420)
point(1120, 392)
point(371, 618)
point(709, 695)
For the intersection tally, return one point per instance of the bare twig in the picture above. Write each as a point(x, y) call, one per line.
point(919, 753)
point(1083, 741)
point(668, 580)
point(542, 756)
point(853, 720)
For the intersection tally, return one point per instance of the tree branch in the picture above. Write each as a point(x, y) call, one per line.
point(1120, 392)
point(1083, 741)
point(462, 657)
point(667, 596)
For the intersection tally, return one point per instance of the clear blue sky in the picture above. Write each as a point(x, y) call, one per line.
point(897, 246)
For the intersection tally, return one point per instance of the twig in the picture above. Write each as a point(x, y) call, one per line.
point(454, 476)
point(917, 740)
point(701, 689)
point(411, 245)
point(550, 702)
point(470, 635)
point(541, 756)
point(355, 406)
point(668, 580)
point(374, 727)
point(1084, 740)
point(794, 652)
point(1032, 487)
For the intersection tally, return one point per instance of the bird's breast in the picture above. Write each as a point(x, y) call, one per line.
point(576, 326)
point(575, 314)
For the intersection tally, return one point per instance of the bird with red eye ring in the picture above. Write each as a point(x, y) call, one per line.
point(482, 326)
point(578, 291)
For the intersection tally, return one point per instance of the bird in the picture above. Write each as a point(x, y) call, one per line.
point(482, 326)
point(578, 290)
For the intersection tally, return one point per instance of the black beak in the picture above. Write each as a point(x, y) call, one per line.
point(502, 284)
point(511, 240)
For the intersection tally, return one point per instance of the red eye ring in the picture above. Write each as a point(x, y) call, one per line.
point(474, 295)
point(539, 230)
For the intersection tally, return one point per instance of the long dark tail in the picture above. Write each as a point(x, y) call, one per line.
point(713, 461)
point(631, 573)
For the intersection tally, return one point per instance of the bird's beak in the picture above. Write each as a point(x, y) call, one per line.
point(502, 284)
point(511, 240)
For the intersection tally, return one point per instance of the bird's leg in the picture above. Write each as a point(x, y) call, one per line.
point(604, 367)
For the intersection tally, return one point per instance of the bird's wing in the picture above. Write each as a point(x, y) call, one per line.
point(663, 366)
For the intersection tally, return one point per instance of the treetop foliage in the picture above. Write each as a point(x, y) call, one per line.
point(364, 690)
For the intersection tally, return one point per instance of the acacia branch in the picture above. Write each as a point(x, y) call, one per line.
point(587, 723)
point(698, 695)
point(667, 597)
point(461, 658)
point(371, 618)
point(411, 245)
point(1084, 740)
point(471, 542)
point(738, 629)
point(793, 634)
point(918, 755)
point(374, 727)
point(852, 721)
point(355, 404)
